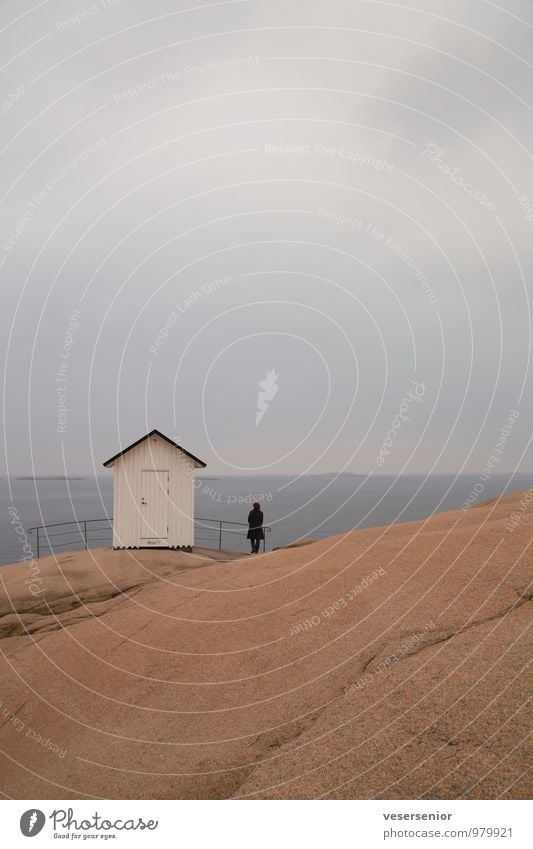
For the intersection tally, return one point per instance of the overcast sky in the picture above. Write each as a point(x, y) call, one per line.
point(331, 198)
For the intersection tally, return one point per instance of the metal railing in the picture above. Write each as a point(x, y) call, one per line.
point(83, 532)
point(216, 528)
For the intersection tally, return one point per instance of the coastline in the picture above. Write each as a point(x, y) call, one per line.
point(180, 677)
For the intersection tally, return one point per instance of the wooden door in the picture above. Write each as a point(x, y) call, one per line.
point(154, 505)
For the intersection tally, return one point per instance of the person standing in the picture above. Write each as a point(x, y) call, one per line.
point(255, 527)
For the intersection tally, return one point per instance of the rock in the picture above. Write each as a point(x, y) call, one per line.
point(297, 544)
point(384, 663)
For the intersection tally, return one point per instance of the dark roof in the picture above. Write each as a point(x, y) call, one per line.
point(146, 436)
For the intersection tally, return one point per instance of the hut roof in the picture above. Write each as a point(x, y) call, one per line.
point(147, 436)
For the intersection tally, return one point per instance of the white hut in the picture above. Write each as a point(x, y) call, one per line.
point(153, 495)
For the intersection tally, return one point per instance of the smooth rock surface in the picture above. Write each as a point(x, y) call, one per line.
point(385, 663)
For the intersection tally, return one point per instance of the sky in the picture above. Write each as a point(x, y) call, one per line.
point(294, 237)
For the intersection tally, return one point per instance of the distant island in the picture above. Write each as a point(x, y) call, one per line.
point(49, 478)
point(336, 475)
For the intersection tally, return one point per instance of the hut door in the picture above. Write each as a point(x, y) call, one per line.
point(154, 505)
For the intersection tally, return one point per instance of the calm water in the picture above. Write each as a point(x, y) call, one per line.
point(312, 506)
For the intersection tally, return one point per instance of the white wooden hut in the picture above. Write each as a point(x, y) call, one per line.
point(153, 494)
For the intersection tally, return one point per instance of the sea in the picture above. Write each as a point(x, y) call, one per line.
point(309, 506)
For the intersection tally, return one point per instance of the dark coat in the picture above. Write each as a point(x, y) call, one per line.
point(255, 521)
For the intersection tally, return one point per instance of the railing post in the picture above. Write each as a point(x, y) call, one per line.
point(85, 533)
point(220, 536)
point(264, 540)
point(38, 551)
